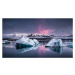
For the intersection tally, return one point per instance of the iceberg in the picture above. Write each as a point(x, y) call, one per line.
point(35, 41)
point(22, 40)
point(6, 42)
point(31, 42)
point(11, 45)
point(54, 42)
point(25, 42)
point(70, 45)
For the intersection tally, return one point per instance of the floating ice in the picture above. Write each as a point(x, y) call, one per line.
point(35, 41)
point(31, 42)
point(55, 42)
point(22, 40)
point(25, 42)
point(70, 45)
point(6, 42)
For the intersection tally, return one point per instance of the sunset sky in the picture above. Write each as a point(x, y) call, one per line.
point(51, 26)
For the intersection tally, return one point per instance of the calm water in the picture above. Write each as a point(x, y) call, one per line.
point(39, 51)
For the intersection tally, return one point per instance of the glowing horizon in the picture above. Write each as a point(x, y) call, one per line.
point(43, 30)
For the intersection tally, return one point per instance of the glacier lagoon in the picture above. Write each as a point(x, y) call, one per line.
point(38, 51)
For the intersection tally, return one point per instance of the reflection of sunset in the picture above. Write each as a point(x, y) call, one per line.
point(43, 30)
point(42, 49)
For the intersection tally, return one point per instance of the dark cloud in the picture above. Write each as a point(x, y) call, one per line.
point(59, 26)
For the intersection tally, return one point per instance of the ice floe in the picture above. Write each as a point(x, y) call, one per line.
point(35, 41)
point(70, 45)
point(6, 42)
point(54, 42)
point(26, 42)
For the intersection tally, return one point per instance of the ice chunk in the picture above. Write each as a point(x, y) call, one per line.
point(70, 45)
point(55, 42)
point(31, 42)
point(35, 41)
point(24, 41)
point(64, 45)
point(6, 42)
point(11, 45)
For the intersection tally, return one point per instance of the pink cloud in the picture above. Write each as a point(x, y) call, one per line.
point(43, 30)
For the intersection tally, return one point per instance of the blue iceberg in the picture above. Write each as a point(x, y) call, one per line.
point(70, 45)
point(54, 42)
point(6, 42)
point(35, 41)
point(26, 42)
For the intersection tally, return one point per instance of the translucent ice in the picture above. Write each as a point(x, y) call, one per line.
point(24, 42)
point(54, 42)
point(70, 45)
point(35, 41)
point(6, 42)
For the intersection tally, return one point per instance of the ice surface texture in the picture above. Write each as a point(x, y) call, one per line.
point(25, 41)
point(5, 42)
point(70, 45)
point(54, 42)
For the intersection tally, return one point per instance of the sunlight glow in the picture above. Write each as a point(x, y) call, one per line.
point(43, 30)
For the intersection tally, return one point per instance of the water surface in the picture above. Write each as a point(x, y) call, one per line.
point(39, 51)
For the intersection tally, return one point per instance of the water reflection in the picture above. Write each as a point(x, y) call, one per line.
point(56, 49)
point(11, 45)
point(37, 51)
point(25, 49)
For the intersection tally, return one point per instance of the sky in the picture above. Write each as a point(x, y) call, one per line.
point(46, 26)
